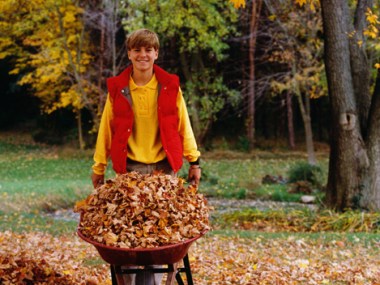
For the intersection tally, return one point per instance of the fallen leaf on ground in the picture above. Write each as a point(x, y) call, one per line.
point(215, 260)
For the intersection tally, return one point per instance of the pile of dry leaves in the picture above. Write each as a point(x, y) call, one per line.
point(37, 258)
point(136, 210)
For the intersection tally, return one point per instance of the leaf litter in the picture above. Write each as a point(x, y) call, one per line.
point(214, 259)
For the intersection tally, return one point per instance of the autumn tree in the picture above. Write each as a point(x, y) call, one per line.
point(296, 46)
point(291, 51)
point(51, 52)
point(253, 16)
point(354, 168)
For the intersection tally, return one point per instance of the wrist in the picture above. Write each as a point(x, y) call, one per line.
point(195, 166)
point(194, 162)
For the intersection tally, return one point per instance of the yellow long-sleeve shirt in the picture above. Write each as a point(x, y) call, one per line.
point(144, 144)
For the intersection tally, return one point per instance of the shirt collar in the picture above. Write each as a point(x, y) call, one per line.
point(152, 84)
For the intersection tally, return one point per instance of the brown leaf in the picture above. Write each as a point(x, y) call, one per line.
point(135, 210)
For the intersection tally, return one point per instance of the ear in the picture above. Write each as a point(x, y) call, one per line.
point(129, 55)
point(156, 54)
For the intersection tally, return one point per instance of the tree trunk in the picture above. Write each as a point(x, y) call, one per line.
point(254, 22)
point(289, 108)
point(195, 119)
point(114, 29)
point(77, 76)
point(348, 158)
point(80, 130)
point(305, 113)
point(371, 189)
point(101, 61)
point(304, 105)
point(359, 65)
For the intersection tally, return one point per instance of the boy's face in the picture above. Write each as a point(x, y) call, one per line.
point(143, 58)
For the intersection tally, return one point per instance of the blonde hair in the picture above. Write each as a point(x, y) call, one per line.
point(143, 38)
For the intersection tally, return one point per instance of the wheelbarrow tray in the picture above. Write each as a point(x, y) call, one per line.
point(167, 254)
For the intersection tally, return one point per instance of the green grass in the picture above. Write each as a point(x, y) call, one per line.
point(37, 178)
point(33, 222)
point(241, 178)
point(367, 239)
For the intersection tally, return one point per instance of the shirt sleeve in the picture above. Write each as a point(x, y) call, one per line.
point(103, 142)
point(190, 148)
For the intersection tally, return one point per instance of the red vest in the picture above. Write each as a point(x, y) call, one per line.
point(122, 124)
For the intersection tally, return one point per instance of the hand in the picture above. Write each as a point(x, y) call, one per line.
point(97, 180)
point(194, 174)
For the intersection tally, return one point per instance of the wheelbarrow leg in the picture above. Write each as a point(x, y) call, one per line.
point(171, 274)
point(186, 264)
point(186, 268)
point(116, 277)
point(113, 275)
point(179, 279)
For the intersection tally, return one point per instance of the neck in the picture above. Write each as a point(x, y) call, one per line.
point(141, 78)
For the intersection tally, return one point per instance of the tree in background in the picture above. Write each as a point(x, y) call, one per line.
point(195, 36)
point(102, 21)
point(354, 168)
point(296, 46)
point(254, 17)
point(64, 50)
point(290, 57)
point(90, 37)
point(248, 26)
point(51, 52)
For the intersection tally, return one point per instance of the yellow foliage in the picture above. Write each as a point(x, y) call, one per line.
point(53, 29)
point(371, 32)
point(15, 71)
point(69, 19)
point(300, 2)
point(312, 3)
point(238, 3)
point(372, 19)
point(4, 55)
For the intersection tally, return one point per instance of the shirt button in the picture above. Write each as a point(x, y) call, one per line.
point(129, 130)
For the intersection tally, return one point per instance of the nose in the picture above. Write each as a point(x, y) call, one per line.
point(143, 52)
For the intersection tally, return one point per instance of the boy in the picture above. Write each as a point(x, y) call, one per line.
point(145, 124)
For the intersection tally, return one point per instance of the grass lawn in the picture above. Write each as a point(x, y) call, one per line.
point(43, 178)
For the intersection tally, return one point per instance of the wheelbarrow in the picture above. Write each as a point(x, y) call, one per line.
point(125, 260)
